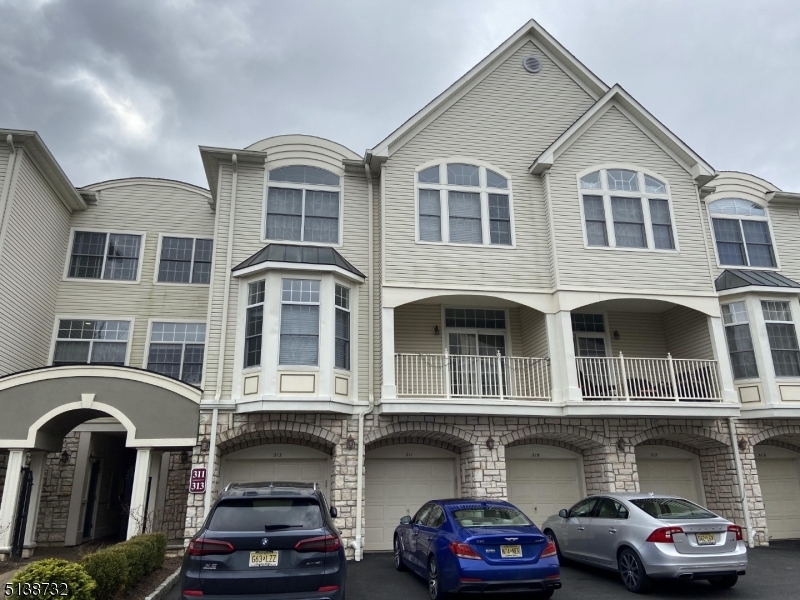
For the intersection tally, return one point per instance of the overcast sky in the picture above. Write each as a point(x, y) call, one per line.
point(131, 88)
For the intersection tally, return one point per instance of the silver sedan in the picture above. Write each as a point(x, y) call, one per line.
point(646, 536)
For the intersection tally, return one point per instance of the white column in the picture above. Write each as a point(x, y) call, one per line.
point(758, 331)
point(141, 475)
point(563, 370)
point(8, 503)
point(387, 331)
point(720, 349)
point(38, 461)
point(152, 498)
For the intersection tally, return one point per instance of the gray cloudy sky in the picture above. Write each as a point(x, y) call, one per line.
point(123, 88)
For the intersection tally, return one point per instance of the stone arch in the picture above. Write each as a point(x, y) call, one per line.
point(670, 444)
point(277, 432)
point(577, 437)
point(789, 434)
point(411, 438)
point(434, 432)
point(697, 437)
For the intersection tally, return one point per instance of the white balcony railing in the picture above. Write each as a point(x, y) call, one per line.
point(462, 376)
point(623, 378)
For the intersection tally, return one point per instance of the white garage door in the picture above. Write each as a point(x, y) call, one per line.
point(399, 480)
point(780, 488)
point(542, 480)
point(277, 462)
point(665, 470)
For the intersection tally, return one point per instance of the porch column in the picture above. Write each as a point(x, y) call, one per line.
point(154, 517)
point(766, 368)
point(8, 503)
point(720, 349)
point(387, 330)
point(563, 370)
point(38, 462)
point(141, 476)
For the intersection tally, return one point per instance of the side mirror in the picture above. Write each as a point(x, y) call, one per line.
point(563, 513)
point(405, 520)
point(334, 512)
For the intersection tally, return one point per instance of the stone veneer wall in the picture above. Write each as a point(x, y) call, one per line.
point(3, 463)
point(173, 519)
point(56, 492)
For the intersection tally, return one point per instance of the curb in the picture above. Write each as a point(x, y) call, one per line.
point(165, 586)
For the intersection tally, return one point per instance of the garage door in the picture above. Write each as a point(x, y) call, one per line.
point(276, 462)
point(542, 480)
point(669, 471)
point(780, 488)
point(399, 479)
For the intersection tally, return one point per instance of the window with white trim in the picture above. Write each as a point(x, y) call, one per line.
point(740, 342)
point(185, 260)
point(254, 324)
point(342, 343)
point(626, 209)
point(782, 338)
point(299, 322)
point(94, 342)
point(97, 255)
point(741, 232)
point(176, 350)
point(303, 205)
point(461, 203)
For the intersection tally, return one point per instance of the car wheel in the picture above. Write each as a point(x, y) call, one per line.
point(552, 537)
point(724, 582)
point(398, 555)
point(632, 572)
point(434, 580)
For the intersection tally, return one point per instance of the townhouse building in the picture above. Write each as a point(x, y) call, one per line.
point(531, 290)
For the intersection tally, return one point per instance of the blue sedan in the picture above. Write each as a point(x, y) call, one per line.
point(467, 545)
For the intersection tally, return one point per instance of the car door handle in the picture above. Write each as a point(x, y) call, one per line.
point(581, 528)
point(428, 538)
point(612, 530)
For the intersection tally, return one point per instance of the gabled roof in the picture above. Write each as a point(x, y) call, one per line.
point(576, 69)
point(733, 279)
point(701, 171)
point(291, 256)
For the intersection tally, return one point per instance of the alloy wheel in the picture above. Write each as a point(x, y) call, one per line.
point(629, 570)
point(398, 560)
point(433, 579)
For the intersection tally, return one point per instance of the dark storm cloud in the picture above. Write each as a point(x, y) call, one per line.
point(127, 88)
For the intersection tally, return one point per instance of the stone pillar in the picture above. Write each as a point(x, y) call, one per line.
point(720, 349)
point(610, 468)
point(8, 503)
point(38, 462)
point(387, 324)
point(344, 479)
point(141, 476)
point(483, 471)
point(563, 369)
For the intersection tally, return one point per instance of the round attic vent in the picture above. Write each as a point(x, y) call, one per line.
point(532, 64)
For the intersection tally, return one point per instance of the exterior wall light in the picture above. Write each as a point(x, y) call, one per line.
point(436, 330)
point(351, 443)
point(742, 443)
point(621, 444)
point(184, 457)
point(490, 443)
point(205, 445)
point(616, 334)
point(64, 457)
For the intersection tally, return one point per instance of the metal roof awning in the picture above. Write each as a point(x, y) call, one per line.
point(735, 279)
point(290, 256)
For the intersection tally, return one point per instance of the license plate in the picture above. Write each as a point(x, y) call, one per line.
point(510, 551)
point(264, 559)
point(706, 539)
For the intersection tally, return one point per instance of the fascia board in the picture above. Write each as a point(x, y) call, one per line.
point(289, 266)
point(760, 289)
point(783, 198)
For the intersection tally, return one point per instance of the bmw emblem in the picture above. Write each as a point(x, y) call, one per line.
point(264, 542)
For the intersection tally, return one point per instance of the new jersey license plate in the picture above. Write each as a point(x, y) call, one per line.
point(264, 559)
point(510, 551)
point(706, 539)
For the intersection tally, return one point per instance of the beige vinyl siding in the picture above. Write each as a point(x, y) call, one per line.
point(785, 227)
point(151, 208)
point(615, 139)
point(377, 291)
point(515, 334)
point(413, 329)
point(687, 334)
point(641, 335)
point(30, 270)
point(534, 333)
point(507, 119)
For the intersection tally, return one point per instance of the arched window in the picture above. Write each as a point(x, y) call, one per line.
point(303, 205)
point(741, 233)
point(459, 203)
point(626, 209)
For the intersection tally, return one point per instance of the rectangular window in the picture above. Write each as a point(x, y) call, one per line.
point(662, 224)
point(475, 318)
point(303, 215)
point(112, 256)
point(740, 344)
point(176, 350)
point(595, 214)
point(81, 341)
point(342, 327)
point(583, 322)
point(782, 338)
point(430, 216)
point(185, 260)
point(628, 222)
point(254, 324)
point(742, 242)
point(299, 322)
point(465, 217)
point(499, 220)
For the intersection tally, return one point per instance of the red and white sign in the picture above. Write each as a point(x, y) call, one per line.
point(197, 481)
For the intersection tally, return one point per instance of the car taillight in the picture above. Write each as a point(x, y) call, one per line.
point(201, 547)
point(464, 551)
point(324, 543)
point(549, 550)
point(737, 530)
point(664, 535)
point(328, 588)
point(192, 593)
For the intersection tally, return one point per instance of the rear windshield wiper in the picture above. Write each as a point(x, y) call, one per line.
point(274, 527)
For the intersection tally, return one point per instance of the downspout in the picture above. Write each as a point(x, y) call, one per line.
point(226, 294)
point(358, 543)
point(4, 194)
point(740, 476)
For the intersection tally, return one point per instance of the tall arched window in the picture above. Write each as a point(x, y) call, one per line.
point(741, 233)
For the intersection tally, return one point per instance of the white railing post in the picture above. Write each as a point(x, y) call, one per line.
point(499, 376)
point(447, 390)
point(672, 378)
point(624, 377)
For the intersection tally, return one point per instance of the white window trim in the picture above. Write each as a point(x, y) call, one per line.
point(606, 194)
point(350, 312)
point(506, 333)
point(768, 346)
point(753, 339)
point(303, 186)
point(170, 320)
point(245, 291)
point(711, 199)
point(65, 276)
point(69, 317)
point(320, 304)
point(483, 192)
point(161, 237)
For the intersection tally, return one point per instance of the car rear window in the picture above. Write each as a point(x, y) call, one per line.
point(266, 514)
point(490, 516)
point(672, 508)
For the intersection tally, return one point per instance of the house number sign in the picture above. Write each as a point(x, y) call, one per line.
point(197, 481)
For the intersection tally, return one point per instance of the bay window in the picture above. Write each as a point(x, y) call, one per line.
point(342, 334)
point(782, 338)
point(254, 324)
point(740, 342)
point(299, 343)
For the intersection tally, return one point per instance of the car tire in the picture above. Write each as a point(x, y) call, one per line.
point(398, 555)
point(552, 537)
point(632, 573)
point(434, 580)
point(725, 582)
